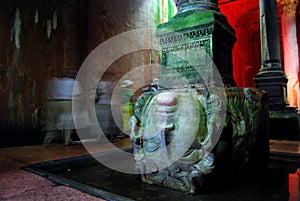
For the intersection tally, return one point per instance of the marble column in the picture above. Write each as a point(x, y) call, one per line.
point(290, 49)
point(271, 77)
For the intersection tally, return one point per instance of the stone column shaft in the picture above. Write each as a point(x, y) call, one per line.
point(270, 46)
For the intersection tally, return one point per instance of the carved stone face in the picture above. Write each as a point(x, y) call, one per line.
point(172, 122)
point(173, 127)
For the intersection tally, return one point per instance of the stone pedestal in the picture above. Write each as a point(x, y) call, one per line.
point(273, 80)
point(192, 42)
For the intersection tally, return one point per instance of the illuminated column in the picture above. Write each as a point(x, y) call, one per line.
point(290, 49)
point(271, 77)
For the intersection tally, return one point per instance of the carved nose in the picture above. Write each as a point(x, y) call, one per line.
point(167, 99)
point(166, 103)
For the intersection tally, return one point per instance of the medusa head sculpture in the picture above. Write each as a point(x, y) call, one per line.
point(171, 133)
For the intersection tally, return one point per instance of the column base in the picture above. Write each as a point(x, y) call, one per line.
point(283, 119)
point(274, 82)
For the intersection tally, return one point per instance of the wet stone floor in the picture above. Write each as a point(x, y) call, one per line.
point(87, 174)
